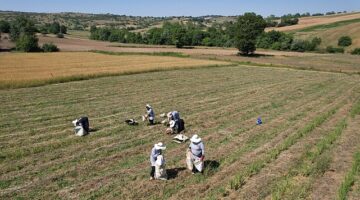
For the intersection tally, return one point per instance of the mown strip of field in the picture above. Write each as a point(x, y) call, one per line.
point(35, 69)
point(41, 158)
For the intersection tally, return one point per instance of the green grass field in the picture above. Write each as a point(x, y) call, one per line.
point(309, 122)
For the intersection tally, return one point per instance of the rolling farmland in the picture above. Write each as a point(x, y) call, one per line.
point(305, 148)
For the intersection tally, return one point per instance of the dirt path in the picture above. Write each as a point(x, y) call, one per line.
point(327, 186)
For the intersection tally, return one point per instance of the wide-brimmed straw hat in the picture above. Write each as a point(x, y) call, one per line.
point(195, 139)
point(160, 146)
point(172, 124)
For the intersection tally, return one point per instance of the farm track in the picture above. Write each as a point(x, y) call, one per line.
point(114, 159)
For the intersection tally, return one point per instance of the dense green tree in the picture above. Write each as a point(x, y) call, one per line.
point(344, 41)
point(54, 28)
point(21, 25)
point(4, 26)
point(50, 47)
point(63, 29)
point(248, 27)
point(356, 51)
point(27, 43)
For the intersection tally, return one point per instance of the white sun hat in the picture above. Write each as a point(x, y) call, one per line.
point(169, 114)
point(148, 106)
point(160, 146)
point(195, 138)
point(172, 124)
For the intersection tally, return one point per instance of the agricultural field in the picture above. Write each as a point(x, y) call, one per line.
point(307, 22)
point(306, 147)
point(22, 69)
point(311, 61)
point(331, 34)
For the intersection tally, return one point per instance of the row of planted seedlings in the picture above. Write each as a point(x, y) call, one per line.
point(352, 177)
point(270, 155)
point(257, 164)
point(312, 165)
point(260, 186)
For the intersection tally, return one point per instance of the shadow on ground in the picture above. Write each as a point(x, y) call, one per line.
point(172, 173)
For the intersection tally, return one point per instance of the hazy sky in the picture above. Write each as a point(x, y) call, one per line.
point(181, 7)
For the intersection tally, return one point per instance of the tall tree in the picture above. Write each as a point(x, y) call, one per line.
point(21, 25)
point(248, 27)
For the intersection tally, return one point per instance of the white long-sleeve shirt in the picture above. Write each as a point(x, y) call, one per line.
point(197, 149)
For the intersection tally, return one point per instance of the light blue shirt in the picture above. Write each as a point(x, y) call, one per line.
point(175, 115)
point(151, 114)
point(197, 149)
point(154, 154)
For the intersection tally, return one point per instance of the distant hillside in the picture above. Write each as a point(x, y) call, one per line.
point(83, 21)
point(329, 29)
point(306, 22)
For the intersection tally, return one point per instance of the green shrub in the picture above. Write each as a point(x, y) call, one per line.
point(50, 47)
point(27, 43)
point(345, 41)
point(331, 49)
point(4, 26)
point(356, 51)
point(303, 45)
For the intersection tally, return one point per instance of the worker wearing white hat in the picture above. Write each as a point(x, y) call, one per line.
point(156, 151)
point(150, 114)
point(197, 156)
point(171, 129)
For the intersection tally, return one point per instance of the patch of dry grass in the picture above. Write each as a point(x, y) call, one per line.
point(332, 35)
point(23, 69)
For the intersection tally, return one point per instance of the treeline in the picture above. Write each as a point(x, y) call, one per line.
point(177, 34)
point(220, 35)
point(54, 28)
point(23, 31)
point(285, 42)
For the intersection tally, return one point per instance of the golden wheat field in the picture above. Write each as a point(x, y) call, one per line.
point(23, 68)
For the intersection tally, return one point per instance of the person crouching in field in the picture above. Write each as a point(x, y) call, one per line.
point(173, 115)
point(149, 115)
point(157, 161)
point(175, 127)
point(195, 155)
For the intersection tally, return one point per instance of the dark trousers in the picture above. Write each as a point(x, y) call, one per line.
point(152, 172)
point(151, 122)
